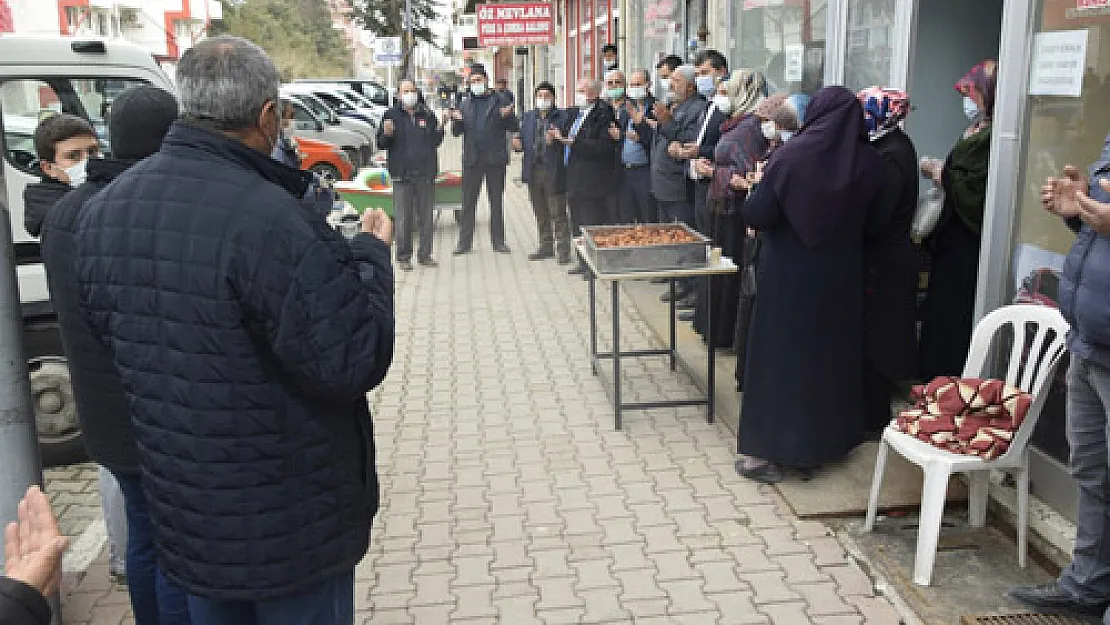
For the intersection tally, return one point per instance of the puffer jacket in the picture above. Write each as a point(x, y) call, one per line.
point(102, 408)
point(247, 334)
point(1085, 284)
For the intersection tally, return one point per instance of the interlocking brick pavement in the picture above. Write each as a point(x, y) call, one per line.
point(507, 497)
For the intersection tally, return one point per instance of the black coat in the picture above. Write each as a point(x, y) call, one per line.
point(553, 154)
point(38, 198)
point(488, 146)
point(247, 333)
point(21, 604)
point(712, 134)
point(890, 310)
point(414, 147)
point(803, 380)
point(592, 165)
point(102, 408)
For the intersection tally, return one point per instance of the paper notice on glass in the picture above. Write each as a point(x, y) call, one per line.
point(793, 63)
point(1059, 59)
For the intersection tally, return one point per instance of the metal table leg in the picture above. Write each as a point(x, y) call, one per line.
point(712, 382)
point(617, 354)
point(593, 320)
point(674, 328)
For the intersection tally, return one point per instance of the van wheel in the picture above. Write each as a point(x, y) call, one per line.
point(59, 431)
point(330, 173)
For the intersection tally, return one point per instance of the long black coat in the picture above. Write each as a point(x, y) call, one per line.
point(247, 333)
point(591, 169)
point(891, 302)
point(803, 386)
point(21, 604)
point(98, 391)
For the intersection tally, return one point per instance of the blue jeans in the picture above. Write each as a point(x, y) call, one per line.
point(329, 603)
point(155, 600)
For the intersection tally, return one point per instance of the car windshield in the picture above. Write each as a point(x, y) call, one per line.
point(334, 101)
point(317, 108)
point(358, 99)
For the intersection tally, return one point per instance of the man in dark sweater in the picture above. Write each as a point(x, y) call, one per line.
point(64, 144)
point(482, 120)
point(139, 120)
point(412, 134)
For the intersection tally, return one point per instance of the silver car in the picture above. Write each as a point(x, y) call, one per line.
point(309, 126)
point(330, 118)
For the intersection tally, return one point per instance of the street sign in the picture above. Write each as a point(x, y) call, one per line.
point(515, 24)
point(387, 51)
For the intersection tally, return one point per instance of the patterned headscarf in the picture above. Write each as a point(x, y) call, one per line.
point(983, 77)
point(769, 105)
point(746, 88)
point(883, 109)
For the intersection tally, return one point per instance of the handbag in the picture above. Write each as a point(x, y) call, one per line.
point(929, 208)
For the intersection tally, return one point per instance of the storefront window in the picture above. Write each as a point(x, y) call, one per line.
point(654, 26)
point(1066, 128)
point(870, 33)
point(783, 38)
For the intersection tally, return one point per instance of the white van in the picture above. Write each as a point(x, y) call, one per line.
point(42, 75)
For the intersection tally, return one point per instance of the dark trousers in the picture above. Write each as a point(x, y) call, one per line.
point(494, 176)
point(329, 603)
point(681, 211)
point(412, 203)
point(587, 211)
point(155, 600)
point(703, 217)
point(550, 209)
point(636, 203)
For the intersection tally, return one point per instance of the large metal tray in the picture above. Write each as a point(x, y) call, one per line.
point(649, 257)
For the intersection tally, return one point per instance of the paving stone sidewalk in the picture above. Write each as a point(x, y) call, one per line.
point(507, 497)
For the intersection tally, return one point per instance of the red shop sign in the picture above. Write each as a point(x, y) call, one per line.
point(515, 24)
point(1092, 4)
point(7, 25)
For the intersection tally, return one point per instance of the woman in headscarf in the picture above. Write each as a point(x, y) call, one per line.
point(803, 398)
point(954, 243)
point(779, 122)
point(740, 147)
point(890, 301)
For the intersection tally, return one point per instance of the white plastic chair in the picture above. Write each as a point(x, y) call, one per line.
point(1031, 373)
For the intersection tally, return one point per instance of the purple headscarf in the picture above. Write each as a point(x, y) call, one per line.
point(984, 77)
point(829, 171)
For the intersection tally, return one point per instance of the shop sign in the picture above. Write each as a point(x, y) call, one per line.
point(515, 24)
point(7, 24)
point(1059, 58)
point(1091, 4)
point(794, 63)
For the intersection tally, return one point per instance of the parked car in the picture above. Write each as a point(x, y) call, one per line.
point(307, 125)
point(326, 114)
point(325, 160)
point(373, 91)
point(342, 103)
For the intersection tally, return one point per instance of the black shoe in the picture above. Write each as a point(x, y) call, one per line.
point(404, 265)
point(687, 303)
point(579, 270)
point(1051, 598)
point(459, 251)
point(542, 254)
point(502, 249)
point(564, 258)
point(679, 294)
point(428, 262)
point(685, 315)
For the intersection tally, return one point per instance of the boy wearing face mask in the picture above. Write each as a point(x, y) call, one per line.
point(63, 144)
point(545, 174)
point(609, 57)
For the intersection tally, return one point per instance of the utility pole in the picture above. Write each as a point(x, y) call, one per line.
point(19, 447)
point(411, 44)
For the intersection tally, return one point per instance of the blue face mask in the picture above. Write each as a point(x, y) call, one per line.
point(970, 108)
point(706, 85)
point(786, 135)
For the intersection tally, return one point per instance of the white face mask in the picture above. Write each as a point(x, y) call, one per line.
point(580, 100)
point(769, 130)
point(723, 104)
point(408, 99)
point(77, 173)
point(478, 88)
point(970, 108)
point(637, 93)
point(706, 85)
point(787, 135)
point(543, 104)
point(609, 64)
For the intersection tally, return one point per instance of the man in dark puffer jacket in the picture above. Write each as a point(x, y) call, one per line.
point(139, 120)
point(247, 334)
point(1084, 586)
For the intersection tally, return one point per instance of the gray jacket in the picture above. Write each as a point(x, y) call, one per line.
point(668, 176)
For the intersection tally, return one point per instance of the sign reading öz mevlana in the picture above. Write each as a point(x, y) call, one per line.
point(515, 24)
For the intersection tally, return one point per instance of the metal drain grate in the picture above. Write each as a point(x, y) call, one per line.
point(1024, 619)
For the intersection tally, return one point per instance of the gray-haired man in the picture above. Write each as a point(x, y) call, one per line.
point(247, 334)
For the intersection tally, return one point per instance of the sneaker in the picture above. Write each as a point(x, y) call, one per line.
point(502, 249)
point(405, 265)
point(542, 254)
point(1051, 598)
point(428, 262)
point(460, 250)
point(578, 270)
